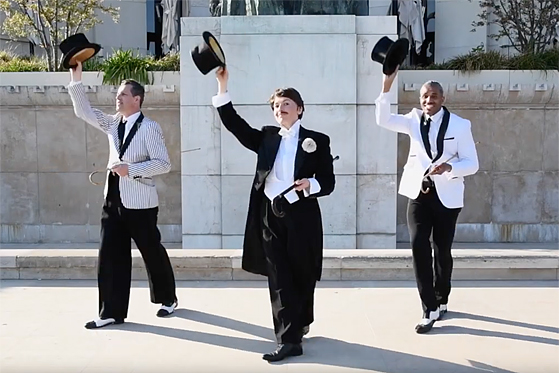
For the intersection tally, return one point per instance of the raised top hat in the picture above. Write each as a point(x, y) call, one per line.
point(208, 55)
point(390, 54)
point(77, 48)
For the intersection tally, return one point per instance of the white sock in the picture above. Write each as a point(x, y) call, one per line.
point(425, 321)
point(169, 309)
point(103, 322)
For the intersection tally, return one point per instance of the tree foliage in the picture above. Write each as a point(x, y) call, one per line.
point(529, 25)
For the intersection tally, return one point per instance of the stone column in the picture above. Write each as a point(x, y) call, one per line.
point(329, 63)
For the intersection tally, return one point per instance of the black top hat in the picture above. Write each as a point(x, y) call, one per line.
point(208, 55)
point(390, 54)
point(77, 48)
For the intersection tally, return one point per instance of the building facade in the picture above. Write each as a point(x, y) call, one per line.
point(447, 23)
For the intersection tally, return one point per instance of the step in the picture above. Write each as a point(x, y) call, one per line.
point(471, 262)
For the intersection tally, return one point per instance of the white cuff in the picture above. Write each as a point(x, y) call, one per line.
point(221, 99)
point(74, 83)
point(315, 187)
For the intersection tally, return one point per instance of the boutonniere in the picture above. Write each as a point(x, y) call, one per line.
point(309, 145)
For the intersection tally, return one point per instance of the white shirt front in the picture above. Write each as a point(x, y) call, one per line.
point(436, 121)
point(281, 176)
point(129, 123)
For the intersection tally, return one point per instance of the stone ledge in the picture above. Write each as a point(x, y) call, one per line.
point(523, 264)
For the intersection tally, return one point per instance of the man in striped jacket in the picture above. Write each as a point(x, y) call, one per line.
point(137, 152)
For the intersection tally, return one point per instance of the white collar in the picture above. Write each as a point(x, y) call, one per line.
point(132, 118)
point(291, 132)
point(435, 118)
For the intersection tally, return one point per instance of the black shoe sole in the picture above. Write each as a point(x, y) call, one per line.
point(91, 325)
point(422, 329)
point(164, 313)
point(273, 358)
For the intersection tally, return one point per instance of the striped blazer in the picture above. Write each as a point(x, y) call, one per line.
point(146, 155)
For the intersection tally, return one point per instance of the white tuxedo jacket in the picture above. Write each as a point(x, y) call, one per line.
point(146, 155)
point(457, 140)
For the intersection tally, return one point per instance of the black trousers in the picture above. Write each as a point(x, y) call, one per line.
point(119, 226)
point(426, 216)
point(291, 279)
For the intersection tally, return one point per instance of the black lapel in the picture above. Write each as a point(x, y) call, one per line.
point(440, 135)
point(130, 135)
point(300, 154)
point(272, 146)
point(114, 133)
point(425, 136)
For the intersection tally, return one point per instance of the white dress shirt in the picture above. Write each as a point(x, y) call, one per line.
point(436, 121)
point(129, 123)
point(281, 175)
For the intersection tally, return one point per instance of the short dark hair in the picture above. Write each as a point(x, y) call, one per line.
point(135, 88)
point(291, 93)
point(434, 84)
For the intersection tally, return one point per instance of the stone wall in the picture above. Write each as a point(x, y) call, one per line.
point(47, 154)
point(515, 116)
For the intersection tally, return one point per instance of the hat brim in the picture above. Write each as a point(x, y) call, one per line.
point(81, 53)
point(215, 47)
point(395, 56)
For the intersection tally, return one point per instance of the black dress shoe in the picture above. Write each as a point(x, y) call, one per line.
point(167, 309)
point(101, 323)
point(283, 351)
point(427, 322)
point(424, 328)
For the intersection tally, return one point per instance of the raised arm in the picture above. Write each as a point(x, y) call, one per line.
point(249, 137)
point(384, 117)
point(82, 107)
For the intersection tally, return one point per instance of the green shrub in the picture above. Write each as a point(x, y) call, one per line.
point(548, 60)
point(93, 64)
point(491, 60)
point(12, 63)
point(124, 64)
point(478, 60)
point(170, 62)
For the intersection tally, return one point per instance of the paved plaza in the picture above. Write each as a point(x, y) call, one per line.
point(501, 326)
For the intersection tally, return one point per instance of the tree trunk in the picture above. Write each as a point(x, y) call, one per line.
point(50, 58)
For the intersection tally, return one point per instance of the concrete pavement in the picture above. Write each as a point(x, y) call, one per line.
point(225, 326)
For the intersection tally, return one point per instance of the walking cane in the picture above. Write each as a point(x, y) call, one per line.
point(278, 200)
point(104, 170)
point(431, 172)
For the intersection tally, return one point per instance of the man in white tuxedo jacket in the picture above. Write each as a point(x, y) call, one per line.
point(435, 201)
point(137, 153)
